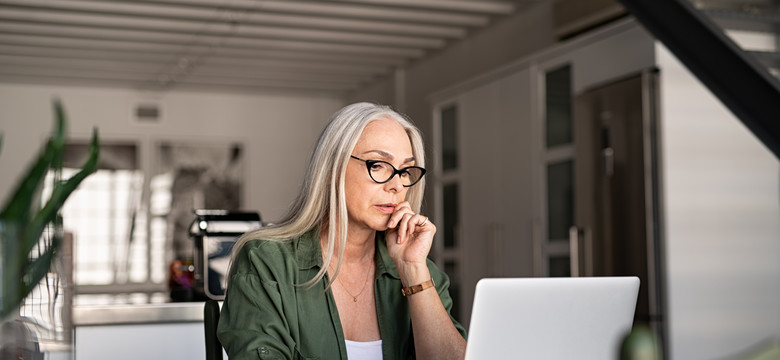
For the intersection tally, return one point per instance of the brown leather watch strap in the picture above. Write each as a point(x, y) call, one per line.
point(417, 288)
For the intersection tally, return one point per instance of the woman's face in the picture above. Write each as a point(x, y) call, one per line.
point(370, 204)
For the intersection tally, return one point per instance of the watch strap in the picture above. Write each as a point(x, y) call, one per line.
point(411, 290)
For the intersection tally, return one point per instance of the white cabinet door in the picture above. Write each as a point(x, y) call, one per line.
point(169, 341)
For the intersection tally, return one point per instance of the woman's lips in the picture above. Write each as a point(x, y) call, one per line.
point(386, 208)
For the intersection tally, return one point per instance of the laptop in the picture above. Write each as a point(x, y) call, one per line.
point(551, 318)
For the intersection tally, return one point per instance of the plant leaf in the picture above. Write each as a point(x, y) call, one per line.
point(39, 267)
point(56, 161)
point(18, 206)
point(11, 274)
point(19, 234)
point(60, 193)
point(35, 271)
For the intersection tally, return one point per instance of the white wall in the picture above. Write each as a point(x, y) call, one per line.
point(722, 215)
point(277, 131)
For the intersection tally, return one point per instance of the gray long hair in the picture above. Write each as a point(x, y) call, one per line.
point(322, 192)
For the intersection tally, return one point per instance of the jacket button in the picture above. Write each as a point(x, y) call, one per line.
point(263, 350)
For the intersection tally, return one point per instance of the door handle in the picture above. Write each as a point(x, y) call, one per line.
point(580, 251)
point(536, 238)
point(608, 156)
point(574, 251)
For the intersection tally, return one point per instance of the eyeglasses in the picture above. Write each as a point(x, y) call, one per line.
point(381, 172)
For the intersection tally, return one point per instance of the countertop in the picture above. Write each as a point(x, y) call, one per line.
point(116, 314)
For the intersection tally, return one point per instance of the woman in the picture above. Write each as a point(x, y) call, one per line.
point(345, 273)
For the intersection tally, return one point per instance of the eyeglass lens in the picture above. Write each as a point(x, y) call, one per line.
point(382, 172)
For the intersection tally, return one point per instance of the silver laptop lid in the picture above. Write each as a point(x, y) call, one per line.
point(551, 318)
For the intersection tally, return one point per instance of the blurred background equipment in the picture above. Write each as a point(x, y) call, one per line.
point(214, 233)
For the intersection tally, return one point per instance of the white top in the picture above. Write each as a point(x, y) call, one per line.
point(364, 350)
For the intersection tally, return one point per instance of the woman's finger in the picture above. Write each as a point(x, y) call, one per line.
point(416, 221)
point(410, 224)
point(400, 210)
point(403, 226)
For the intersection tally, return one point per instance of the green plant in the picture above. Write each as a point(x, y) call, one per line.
point(23, 221)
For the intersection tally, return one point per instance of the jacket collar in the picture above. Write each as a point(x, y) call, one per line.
point(307, 250)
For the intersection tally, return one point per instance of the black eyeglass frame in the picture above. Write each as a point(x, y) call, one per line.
point(398, 172)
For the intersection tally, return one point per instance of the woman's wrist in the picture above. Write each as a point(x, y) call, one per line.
point(413, 273)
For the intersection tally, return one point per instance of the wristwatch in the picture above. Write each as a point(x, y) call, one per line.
point(417, 288)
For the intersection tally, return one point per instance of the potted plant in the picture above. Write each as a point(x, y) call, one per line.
point(31, 234)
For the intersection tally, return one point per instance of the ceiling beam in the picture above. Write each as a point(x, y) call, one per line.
point(188, 40)
point(165, 80)
point(212, 28)
point(482, 6)
point(338, 10)
point(91, 47)
point(168, 11)
point(346, 71)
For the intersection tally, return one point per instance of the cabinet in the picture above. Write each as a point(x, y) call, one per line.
point(140, 331)
point(504, 161)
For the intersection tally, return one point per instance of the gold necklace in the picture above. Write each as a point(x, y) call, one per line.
point(355, 297)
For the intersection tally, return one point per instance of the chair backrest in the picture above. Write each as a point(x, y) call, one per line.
point(210, 321)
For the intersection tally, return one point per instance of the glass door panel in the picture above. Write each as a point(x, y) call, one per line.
point(558, 155)
point(560, 200)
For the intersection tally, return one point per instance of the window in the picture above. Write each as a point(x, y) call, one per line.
point(107, 222)
point(558, 106)
point(449, 139)
point(129, 221)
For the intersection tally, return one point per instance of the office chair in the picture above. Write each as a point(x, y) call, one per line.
point(210, 321)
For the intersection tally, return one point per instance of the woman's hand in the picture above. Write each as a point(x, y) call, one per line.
point(409, 237)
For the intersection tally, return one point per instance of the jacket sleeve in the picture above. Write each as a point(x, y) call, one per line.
point(442, 282)
point(253, 324)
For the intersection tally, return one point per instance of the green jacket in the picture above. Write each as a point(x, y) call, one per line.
point(266, 316)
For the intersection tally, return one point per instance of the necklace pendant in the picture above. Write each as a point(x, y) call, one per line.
point(354, 298)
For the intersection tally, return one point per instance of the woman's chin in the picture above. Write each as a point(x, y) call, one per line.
point(374, 224)
point(381, 226)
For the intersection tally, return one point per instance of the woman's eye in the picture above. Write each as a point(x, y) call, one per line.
point(377, 167)
point(405, 173)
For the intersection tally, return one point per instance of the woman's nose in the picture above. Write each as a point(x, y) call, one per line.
point(394, 184)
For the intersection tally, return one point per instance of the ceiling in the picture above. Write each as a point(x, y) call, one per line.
point(328, 46)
